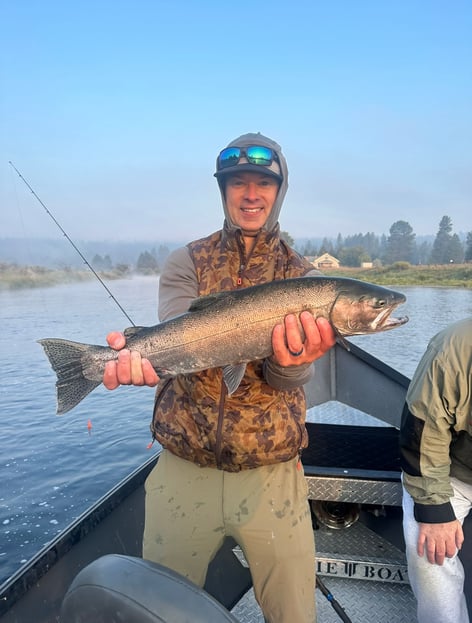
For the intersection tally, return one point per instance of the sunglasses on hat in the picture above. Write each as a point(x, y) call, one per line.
point(254, 154)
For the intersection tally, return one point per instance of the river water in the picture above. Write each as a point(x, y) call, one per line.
point(53, 467)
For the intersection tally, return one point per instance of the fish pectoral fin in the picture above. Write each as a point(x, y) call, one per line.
point(343, 342)
point(233, 376)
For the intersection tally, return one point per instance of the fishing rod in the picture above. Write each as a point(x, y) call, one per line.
point(329, 596)
point(86, 262)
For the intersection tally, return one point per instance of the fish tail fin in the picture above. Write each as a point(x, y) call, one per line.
point(65, 358)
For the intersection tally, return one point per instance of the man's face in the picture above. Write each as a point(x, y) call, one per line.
point(249, 199)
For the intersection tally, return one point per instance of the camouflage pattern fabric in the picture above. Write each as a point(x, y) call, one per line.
point(257, 425)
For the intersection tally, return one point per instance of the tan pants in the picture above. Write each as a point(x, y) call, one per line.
point(189, 511)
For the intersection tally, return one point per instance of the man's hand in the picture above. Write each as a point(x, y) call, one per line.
point(290, 349)
point(130, 369)
point(440, 540)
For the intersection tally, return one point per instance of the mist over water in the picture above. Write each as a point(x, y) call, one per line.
point(53, 467)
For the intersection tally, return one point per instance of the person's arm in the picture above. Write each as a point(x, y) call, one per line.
point(425, 438)
point(178, 285)
point(177, 288)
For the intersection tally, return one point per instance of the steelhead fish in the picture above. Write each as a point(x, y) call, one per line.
point(227, 330)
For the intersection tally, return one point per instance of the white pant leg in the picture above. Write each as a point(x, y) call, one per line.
point(439, 589)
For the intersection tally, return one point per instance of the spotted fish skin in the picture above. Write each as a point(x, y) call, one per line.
point(227, 330)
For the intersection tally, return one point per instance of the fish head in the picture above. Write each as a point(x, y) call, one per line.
point(361, 308)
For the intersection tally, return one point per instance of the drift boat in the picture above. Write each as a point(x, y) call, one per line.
point(93, 571)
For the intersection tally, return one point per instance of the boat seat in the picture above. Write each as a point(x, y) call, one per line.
point(118, 589)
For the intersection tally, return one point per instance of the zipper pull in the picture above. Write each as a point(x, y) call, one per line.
point(239, 280)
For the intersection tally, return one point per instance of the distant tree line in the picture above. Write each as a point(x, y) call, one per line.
point(399, 246)
point(148, 262)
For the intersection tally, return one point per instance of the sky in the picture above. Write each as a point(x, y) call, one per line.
point(114, 112)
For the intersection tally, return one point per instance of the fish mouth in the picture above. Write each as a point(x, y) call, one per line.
point(384, 321)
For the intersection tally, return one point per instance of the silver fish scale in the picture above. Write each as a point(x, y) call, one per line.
point(240, 321)
point(228, 328)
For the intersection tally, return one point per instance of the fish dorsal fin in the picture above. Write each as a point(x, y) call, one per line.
point(132, 331)
point(233, 376)
point(203, 302)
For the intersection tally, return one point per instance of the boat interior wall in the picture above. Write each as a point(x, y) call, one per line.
point(353, 464)
point(364, 385)
point(117, 588)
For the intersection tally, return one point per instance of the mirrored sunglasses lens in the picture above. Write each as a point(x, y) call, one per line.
point(229, 157)
point(259, 155)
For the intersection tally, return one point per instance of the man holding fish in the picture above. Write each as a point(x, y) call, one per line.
point(230, 465)
point(242, 320)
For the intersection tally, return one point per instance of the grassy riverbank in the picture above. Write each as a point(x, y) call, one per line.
point(14, 277)
point(404, 274)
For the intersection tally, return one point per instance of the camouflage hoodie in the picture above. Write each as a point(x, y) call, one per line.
point(258, 424)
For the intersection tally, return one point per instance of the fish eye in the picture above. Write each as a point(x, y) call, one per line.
point(381, 302)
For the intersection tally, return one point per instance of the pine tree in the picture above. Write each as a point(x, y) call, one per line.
point(147, 264)
point(401, 243)
point(441, 246)
point(468, 247)
point(456, 250)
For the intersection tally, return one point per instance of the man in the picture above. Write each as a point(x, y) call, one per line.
point(436, 453)
point(230, 464)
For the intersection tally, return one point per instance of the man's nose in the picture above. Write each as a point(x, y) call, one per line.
point(251, 190)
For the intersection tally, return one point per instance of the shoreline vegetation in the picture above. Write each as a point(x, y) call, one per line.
point(14, 277)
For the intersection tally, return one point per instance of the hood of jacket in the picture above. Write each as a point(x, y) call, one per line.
point(257, 139)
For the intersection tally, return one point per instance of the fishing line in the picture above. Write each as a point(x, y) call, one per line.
point(86, 262)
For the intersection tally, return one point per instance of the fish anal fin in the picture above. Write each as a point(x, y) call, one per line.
point(233, 376)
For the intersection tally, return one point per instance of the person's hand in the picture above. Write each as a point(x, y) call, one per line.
point(130, 368)
point(290, 349)
point(440, 540)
